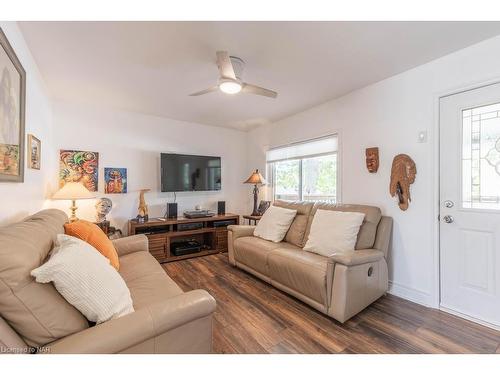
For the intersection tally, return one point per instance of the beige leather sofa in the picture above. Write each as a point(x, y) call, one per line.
point(35, 318)
point(339, 286)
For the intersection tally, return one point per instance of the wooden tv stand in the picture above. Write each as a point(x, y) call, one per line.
point(162, 233)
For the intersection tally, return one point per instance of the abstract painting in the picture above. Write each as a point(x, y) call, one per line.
point(79, 166)
point(12, 106)
point(115, 180)
point(9, 160)
point(34, 151)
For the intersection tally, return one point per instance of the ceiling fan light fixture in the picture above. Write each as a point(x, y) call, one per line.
point(230, 87)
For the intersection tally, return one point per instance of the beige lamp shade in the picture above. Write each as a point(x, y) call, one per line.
point(255, 179)
point(73, 191)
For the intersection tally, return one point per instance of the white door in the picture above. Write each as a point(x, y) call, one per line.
point(470, 203)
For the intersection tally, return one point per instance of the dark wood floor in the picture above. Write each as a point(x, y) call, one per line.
point(254, 317)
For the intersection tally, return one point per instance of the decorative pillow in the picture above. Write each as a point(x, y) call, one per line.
point(333, 232)
point(86, 280)
point(274, 223)
point(92, 234)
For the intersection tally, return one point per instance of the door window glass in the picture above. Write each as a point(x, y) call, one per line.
point(481, 157)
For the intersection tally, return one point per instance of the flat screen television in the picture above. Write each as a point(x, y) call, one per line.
point(190, 173)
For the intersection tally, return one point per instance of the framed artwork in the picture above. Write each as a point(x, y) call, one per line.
point(34, 152)
point(79, 166)
point(115, 180)
point(12, 111)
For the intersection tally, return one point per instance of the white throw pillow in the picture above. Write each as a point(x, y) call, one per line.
point(333, 232)
point(274, 224)
point(85, 278)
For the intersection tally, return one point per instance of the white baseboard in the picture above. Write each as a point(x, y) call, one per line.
point(411, 294)
point(468, 317)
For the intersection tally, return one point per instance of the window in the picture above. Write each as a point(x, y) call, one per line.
point(481, 157)
point(304, 171)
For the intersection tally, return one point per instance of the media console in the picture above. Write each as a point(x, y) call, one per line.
point(209, 232)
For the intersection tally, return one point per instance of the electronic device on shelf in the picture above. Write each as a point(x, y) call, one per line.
point(221, 207)
point(152, 230)
point(185, 247)
point(198, 214)
point(171, 211)
point(181, 227)
point(190, 173)
point(224, 223)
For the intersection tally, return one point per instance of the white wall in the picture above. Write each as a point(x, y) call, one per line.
point(17, 200)
point(135, 141)
point(389, 114)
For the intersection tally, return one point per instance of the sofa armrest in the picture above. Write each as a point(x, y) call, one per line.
point(241, 230)
point(353, 258)
point(131, 244)
point(116, 335)
point(234, 232)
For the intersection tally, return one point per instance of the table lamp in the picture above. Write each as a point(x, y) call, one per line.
point(73, 191)
point(255, 179)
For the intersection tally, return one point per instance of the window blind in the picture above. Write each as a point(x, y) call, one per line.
point(315, 147)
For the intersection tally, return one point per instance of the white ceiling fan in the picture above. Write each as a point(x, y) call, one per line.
point(231, 70)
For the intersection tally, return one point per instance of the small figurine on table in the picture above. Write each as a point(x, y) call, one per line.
point(142, 215)
point(102, 207)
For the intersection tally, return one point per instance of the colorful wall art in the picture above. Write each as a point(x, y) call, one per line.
point(115, 180)
point(79, 166)
point(9, 159)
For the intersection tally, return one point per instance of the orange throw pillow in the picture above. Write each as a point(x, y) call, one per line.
point(93, 235)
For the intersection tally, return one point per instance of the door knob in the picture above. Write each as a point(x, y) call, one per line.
point(448, 204)
point(448, 219)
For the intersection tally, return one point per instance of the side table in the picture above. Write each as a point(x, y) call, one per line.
point(110, 231)
point(252, 218)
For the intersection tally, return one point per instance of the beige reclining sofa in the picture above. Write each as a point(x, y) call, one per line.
point(339, 286)
point(36, 318)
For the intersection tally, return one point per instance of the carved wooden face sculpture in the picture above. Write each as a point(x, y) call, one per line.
point(403, 174)
point(372, 159)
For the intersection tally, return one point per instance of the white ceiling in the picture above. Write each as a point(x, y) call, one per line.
point(151, 67)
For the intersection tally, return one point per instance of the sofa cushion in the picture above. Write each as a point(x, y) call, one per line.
point(95, 236)
point(146, 279)
point(37, 312)
point(333, 232)
point(297, 231)
point(10, 341)
point(85, 279)
point(253, 252)
point(274, 224)
point(301, 271)
point(368, 230)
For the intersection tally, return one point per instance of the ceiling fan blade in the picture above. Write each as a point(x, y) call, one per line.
point(211, 89)
point(225, 66)
point(252, 89)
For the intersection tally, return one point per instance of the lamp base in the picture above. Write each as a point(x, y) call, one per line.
point(255, 212)
point(73, 209)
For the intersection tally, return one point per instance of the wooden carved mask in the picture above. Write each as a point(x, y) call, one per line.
point(403, 173)
point(372, 159)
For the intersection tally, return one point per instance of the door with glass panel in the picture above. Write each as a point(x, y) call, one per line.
point(470, 203)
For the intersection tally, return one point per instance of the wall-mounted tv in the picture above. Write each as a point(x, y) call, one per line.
point(190, 173)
